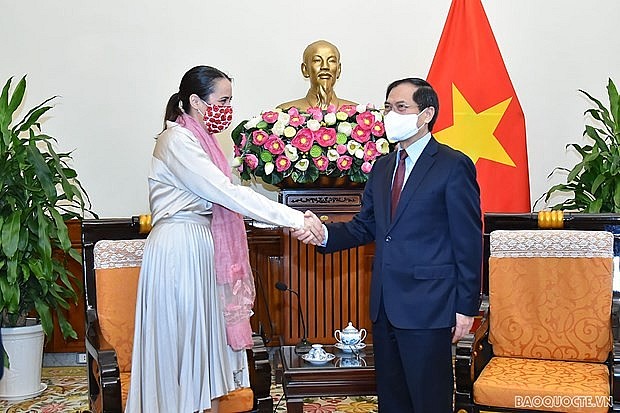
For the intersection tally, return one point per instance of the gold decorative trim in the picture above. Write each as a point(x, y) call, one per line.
point(551, 219)
point(145, 224)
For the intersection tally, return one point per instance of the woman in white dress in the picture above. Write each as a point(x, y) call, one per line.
point(196, 288)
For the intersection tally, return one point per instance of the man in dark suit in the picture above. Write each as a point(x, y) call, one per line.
point(425, 284)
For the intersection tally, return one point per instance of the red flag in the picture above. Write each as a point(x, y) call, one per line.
point(480, 114)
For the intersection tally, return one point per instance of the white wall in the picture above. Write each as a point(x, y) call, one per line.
point(115, 63)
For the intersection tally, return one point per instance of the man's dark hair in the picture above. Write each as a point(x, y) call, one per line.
point(424, 96)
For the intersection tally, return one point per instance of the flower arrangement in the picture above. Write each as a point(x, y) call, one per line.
point(302, 146)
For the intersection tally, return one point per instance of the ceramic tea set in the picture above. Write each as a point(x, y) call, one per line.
point(348, 340)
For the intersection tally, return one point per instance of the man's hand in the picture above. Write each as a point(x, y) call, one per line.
point(312, 232)
point(463, 326)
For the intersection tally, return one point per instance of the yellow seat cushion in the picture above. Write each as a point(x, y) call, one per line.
point(556, 386)
point(240, 400)
point(125, 381)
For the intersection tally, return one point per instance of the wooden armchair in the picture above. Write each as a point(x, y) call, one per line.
point(546, 342)
point(112, 255)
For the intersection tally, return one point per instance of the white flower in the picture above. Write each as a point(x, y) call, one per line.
point(302, 165)
point(330, 118)
point(269, 166)
point(353, 146)
point(284, 118)
point(237, 161)
point(291, 152)
point(332, 155)
point(278, 128)
point(359, 153)
point(360, 108)
point(253, 122)
point(314, 125)
point(345, 127)
point(383, 145)
point(290, 131)
point(378, 116)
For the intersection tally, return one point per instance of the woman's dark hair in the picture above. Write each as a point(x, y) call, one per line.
point(199, 80)
point(424, 96)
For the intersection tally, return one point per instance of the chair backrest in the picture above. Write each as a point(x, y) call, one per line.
point(117, 269)
point(550, 294)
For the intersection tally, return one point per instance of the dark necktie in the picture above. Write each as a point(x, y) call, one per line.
point(399, 178)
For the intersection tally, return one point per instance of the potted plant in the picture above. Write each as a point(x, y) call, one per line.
point(39, 191)
point(593, 184)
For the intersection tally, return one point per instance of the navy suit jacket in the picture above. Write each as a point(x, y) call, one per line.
point(428, 259)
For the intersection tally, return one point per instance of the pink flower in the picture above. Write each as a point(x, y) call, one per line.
point(325, 137)
point(274, 145)
point(366, 167)
point(296, 119)
point(321, 162)
point(244, 139)
point(259, 137)
point(303, 140)
point(270, 117)
point(344, 163)
point(359, 134)
point(365, 120)
point(331, 108)
point(341, 149)
point(251, 161)
point(377, 129)
point(282, 163)
point(348, 109)
point(317, 113)
point(370, 151)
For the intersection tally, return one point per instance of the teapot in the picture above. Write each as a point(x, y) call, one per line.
point(350, 335)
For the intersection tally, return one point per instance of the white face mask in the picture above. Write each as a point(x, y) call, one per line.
point(401, 127)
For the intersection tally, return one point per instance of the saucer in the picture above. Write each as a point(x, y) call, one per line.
point(329, 357)
point(350, 347)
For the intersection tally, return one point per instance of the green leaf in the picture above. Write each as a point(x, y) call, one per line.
point(65, 327)
point(18, 95)
point(10, 233)
point(597, 182)
point(45, 314)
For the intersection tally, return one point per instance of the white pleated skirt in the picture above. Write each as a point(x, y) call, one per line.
point(180, 359)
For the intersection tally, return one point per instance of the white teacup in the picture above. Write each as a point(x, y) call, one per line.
point(350, 335)
point(317, 352)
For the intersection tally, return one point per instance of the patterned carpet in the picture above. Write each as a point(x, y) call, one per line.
point(67, 393)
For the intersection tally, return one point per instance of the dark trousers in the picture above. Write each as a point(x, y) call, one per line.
point(413, 368)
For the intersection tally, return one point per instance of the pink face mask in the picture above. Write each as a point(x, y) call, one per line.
point(217, 118)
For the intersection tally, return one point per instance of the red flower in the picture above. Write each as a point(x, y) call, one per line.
point(365, 120)
point(321, 162)
point(296, 119)
point(378, 129)
point(259, 137)
point(361, 135)
point(251, 161)
point(344, 163)
point(282, 163)
point(303, 140)
point(270, 117)
point(274, 145)
point(348, 109)
point(370, 151)
point(325, 137)
point(316, 113)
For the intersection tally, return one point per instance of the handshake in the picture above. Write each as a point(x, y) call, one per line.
point(312, 232)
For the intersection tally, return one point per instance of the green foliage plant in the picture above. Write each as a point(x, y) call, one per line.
point(39, 191)
point(594, 181)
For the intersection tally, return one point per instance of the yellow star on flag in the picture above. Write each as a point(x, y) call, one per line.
point(473, 133)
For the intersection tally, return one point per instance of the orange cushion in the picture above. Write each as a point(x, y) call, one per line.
point(557, 386)
point(551, 308)
point(125, 382)
point(116, 304)
point(240, 400)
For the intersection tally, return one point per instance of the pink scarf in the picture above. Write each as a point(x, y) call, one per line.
point(232, 264)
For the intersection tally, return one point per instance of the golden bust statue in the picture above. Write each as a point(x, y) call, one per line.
point(321, 64)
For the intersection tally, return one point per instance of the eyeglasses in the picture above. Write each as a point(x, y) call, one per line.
point(398, 108)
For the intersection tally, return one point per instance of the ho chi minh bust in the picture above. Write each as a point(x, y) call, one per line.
point(321, 64)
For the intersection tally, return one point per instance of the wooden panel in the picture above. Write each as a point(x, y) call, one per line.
point(334, 288)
